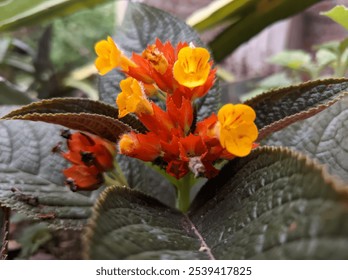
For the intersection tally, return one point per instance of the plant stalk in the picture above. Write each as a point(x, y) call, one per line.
point(183, 188)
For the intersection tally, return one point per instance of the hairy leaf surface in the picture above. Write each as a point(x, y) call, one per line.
point(273, 204)
point(31, 178)
point(279, 108)
point(81, 114)
point(323, 137)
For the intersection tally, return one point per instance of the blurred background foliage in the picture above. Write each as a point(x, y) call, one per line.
point(44, 55)
point(46, 47)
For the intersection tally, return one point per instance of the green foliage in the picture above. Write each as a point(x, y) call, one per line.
point(70, 46)
point(272, 204)
point(279, 108)
point(332, 56)
point(11, 95)
point(273, 81)
point(295, 60)
point(143, 178)
point(323, 137)
point(339, 14)
point(241, 20)
point(32, 238)
point(330, 59)
point(16, 13)
point(82, 114)
point(44, 61)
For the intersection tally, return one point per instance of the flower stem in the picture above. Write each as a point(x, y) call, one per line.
point(183, 188)
point(115, 176)
point(120, 174)
point(109, 181)
point(183, 198)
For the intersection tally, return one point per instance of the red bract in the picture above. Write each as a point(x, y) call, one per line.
point(82, 177)
point(90, 156)
point(142, 146)
point(171, 138)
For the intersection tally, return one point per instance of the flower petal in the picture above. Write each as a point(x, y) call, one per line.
point(132, 99)
point(192, 67)
point(237, 130)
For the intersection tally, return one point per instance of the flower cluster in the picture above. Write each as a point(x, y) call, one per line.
point(90, 156)
point(174, 138)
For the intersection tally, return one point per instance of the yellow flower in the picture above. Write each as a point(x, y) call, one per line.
point(132, 99)
point(192, 67)
point(110, 57)
point(236, 128)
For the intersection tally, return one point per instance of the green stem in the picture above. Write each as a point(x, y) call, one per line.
point(109, 181)
point(183, 187)
point(119, 174)
point(161, 96)
point(115, 176)
point(183, 199)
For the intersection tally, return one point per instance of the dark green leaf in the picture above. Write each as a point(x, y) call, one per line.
point(279, 108)
point(141, 26)
point(4, 230)
point(129, 225)
point(219, 12)
point(11, 95)
point(82, 114)
point(15, 13)
point(145, 179)
point(245, 23)
point(273, 204)
point(5, 43)
point(323, 137)
point(31, 178)
point(209, 103)
point(44, 67)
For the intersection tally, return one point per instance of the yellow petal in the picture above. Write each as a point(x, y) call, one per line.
point(239, 141)
point(110, 56)
point(233, 115)
point(237, 130)
point(192, 67)
point(103, 65)
point(132, 99)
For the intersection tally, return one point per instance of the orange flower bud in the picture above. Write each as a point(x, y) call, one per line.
point(156, 58)
point(145, 147)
